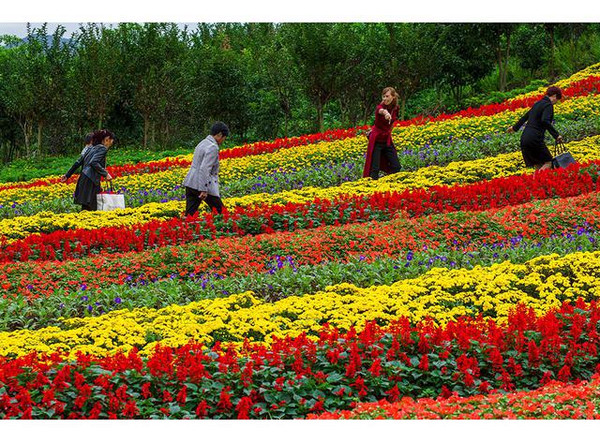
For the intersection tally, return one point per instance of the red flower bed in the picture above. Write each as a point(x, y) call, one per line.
point(294, 377)
point(496, 193)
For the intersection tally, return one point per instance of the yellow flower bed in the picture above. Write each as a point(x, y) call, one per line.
point(46, 221)
point(503, 165)
point(454, 173)
point(442, 294)
point(565, 83)
point(304, 156)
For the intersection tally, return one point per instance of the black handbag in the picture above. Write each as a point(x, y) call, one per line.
point(562, 157)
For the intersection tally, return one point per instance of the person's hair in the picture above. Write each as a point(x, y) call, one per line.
point(219, 127)
point(89, 137)
point(394, 102)
point(554, 90)
point(99, 136)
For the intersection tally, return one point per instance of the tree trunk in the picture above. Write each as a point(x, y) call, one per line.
point(506, 58)
point(402, 107)
point(153, 134)
point(287, 113)
point(39, 137)
point(320, 117)
point(503, 55)
point(26, 128)
point(456, 91)
point(166, 136)
point(27, 141)
point(12, 150)
point(146, 124)
point(500, 68)
point(552, 47)
point(391, 28)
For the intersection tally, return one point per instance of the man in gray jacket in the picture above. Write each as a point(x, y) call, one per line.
point(202, 180)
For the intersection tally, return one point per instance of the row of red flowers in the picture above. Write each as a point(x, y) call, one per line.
point(496, 193)
point(586, 86)
point(556, 400)
point(296, 376)
point(254, 254)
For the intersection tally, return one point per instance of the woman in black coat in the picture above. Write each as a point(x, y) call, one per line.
point(93, 163)
point(539, 119)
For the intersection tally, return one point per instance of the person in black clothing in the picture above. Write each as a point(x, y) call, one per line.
point(539, 119)
point(93, 163)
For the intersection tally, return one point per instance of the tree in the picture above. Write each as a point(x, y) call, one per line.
point(550, 30)
point(221, 76)
point(365, 71)
point(413, 53)
point(279, 75)
point(500, 39)
point(50, 58)
point(152, 59)
point(95, 77)
point(321, 60)
point(530, 46)
point(17, 94)
point(466, 56)
point(8, 127)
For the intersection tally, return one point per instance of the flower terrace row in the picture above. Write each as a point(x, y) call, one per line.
point(296, 376)
point(324, 170)
point(254, 254)
point(454, 241)
point(459, 172)
point(441, 294)
point(499, 192)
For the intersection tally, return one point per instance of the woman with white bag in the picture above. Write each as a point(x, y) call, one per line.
point(93, 169)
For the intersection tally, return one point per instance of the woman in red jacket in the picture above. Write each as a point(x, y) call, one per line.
point(381, 153)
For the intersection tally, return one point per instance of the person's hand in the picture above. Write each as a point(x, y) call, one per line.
point(388, 116)
point(510, 130)
point(202, 195)
point(109, 177)
point(64, 179)
point(559, 139)
point(368, 133)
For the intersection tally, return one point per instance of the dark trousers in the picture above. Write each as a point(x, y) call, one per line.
point(192, 201)
point(389, 153)
point(92, 206)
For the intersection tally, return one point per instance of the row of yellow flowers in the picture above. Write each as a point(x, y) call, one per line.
point(442, 294)
point(564, 83)
point(305, 156)
point(454, 173)
point(503, 165)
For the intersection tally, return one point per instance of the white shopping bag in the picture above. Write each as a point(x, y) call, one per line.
point(108, 202)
